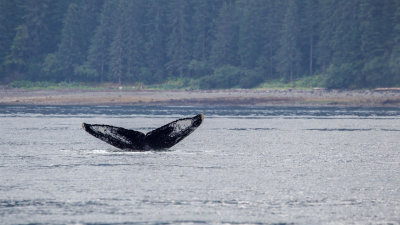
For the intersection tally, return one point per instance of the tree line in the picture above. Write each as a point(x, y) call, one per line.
point(219, 43)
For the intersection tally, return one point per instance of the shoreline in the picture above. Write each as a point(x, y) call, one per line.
point(245, 97)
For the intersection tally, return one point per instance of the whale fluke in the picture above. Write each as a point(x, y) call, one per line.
point(161, 138)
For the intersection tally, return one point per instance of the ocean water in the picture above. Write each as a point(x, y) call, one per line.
point(243, 165)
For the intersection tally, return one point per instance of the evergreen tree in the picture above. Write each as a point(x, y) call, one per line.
point(309, 32)
point(69, 55)
point(374, 35)
point(155, 46)
point(289, 55)
point(272, 18)
point(116, 56)
point(353, 43)
point(343, 71)
point(394, 63)
point(251, 24)
point(203, 26)
point(16, 61)
point(10, 17)
point(30, 43)
point(79, 24)
point(133, 21)
point(179, 40)
point(54, 18)
point(224, 48)
point(98, 55)
point(88, 15)
point(203, 32)
point(329, 12)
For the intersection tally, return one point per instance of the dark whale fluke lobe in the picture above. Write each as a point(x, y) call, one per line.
point(161, 138)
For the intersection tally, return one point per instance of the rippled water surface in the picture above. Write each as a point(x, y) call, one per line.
point(243, 165)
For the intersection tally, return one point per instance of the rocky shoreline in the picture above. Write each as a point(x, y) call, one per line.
point(262, 97)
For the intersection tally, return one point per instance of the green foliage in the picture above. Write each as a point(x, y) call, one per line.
point(38, 85)
point(229, 77)
point(18, 51)
point(306, 82)
point(86, 72)
point(199, 68)
point(249, 33)
point(50, 65)
point(275, 84)
point(205, 43)
point(289, 53)
point(224, 47)
point(310, 81)
point(178, 45)
point(8, 10)
point(340, 76)
point(203, 28)
point(79, 25)
point(223, 77)
point(155, 52)
point(250, 79)
point(176, 83)
point(144, 75)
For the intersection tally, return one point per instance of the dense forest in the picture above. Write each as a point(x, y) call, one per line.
point(218, 43)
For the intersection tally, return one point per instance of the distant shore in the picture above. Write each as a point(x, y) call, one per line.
point(262, 97)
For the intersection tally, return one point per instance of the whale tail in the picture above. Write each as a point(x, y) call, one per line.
point(161, 138)
point(172, 133)
point(116, 136)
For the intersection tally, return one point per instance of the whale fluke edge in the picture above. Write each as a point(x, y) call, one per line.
point(131, 140)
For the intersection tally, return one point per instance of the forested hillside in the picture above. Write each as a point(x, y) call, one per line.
point(219, 43)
